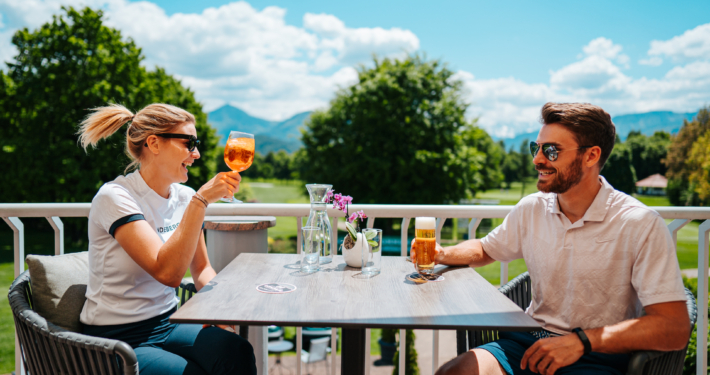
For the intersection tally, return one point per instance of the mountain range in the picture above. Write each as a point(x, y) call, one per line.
point(286, 135)
point(268, 135)
point(647, 123)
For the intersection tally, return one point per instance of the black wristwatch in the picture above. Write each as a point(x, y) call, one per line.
point(585, 340)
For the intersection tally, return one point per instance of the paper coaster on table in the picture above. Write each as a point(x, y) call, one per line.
point(419, 278)
point(276, 288)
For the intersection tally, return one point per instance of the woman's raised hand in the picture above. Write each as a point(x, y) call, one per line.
point(223, 185)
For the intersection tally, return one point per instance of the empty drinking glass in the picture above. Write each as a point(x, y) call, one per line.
point(372, 252)
point(311, 238)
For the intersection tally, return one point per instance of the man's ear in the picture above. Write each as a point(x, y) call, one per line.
point(594, 153)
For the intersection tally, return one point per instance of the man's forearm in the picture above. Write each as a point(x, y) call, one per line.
point(467, 253)
point(650, 332)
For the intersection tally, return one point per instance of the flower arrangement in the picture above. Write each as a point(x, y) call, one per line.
point(352, 223)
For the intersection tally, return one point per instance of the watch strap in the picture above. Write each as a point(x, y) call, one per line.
point(585, 340)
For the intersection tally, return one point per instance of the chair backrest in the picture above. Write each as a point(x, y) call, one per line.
point(48, 349)
point(318, 349)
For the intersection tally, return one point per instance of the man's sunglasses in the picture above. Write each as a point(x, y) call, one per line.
point(192, 143)
point(550, 151)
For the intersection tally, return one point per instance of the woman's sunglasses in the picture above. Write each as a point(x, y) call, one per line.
point(192, 143)
point(550, 151)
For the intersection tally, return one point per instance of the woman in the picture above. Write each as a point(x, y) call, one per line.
point(145, 229)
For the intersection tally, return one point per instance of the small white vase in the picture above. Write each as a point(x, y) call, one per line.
point(353, 257)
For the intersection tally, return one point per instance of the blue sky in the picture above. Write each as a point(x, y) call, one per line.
point(524, 39)
point(281, 57)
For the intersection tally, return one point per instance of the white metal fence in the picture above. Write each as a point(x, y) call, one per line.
point(12, 214)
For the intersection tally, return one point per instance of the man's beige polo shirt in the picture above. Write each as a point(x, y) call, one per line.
point(596, 272)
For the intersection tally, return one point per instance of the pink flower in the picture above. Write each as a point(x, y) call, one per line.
point(328, 196)
point(357, 215)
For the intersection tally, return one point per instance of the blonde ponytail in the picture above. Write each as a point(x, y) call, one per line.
point(156, 118)
point(102, 123)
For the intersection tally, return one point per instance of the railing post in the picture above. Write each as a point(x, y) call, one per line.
point(368, 334)
point(402, 350)
point(299, 224)
point(674, 226)
point(435, 333)
point(299, 347)
point(334, 330)
point(58, 227)
point(405, 235)
point(19, 254)
point(403, 333)
point(702, 327)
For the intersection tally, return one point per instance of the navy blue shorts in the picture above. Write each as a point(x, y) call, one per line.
point(511, 346)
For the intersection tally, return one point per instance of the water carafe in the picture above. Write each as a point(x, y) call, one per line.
point(319, 218)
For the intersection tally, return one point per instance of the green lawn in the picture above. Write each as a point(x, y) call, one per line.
point(7, 325)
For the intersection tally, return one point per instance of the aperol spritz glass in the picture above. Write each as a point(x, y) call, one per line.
point(239, 154)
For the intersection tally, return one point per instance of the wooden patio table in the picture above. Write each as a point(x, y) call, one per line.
point(340, 296)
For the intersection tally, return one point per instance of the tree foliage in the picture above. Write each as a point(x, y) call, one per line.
point(688, 161)
point(62, 69)
point(648, 153)
point(619, 170)
point(399, 135)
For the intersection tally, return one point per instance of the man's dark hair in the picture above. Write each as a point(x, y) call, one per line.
point(590, 125)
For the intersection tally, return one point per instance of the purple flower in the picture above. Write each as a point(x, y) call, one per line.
point(352, 217)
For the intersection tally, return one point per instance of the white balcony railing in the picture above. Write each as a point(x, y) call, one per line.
point(12, 214)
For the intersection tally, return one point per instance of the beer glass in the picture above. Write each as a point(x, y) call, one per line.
point(238, 154)
point(311, 237)
point(425, 244)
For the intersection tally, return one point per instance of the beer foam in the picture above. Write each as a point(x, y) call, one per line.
point(425, 223)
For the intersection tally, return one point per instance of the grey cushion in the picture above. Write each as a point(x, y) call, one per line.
point(59, 287)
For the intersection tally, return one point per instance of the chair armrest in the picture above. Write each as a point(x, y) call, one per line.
point(639, 359)
point(185, 291)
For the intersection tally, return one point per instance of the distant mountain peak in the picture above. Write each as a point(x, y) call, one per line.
point(274, 135)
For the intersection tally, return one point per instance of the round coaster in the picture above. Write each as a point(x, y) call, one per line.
point(419, 278)
point(276, 288)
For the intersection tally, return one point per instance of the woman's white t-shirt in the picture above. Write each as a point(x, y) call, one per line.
point(119, 290)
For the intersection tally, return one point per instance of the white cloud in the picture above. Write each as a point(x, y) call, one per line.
point(237, 54)
point(652, 61)
point(508, 106)
point(692, 44)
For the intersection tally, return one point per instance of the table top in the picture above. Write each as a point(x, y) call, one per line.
point(239, 223)
point(340, 296)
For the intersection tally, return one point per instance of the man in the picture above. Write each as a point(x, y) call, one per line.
point(597, 258)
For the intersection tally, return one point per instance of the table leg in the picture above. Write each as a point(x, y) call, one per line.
point(352, 361)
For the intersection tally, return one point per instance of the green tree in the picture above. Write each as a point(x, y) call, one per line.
point(681, 190)
point(399, 135)
point(527, 168)
point(619, 170)
point(411, 367)
point(63, 69)
point(648, 153)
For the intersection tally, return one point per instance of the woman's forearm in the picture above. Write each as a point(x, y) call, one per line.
point(176, 254)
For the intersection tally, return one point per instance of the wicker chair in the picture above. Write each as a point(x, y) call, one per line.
point(49, 350)
point(519, 290)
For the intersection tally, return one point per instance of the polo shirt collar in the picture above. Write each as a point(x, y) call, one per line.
point(595, 212)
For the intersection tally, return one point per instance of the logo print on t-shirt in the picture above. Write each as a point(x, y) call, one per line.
point(169, 228)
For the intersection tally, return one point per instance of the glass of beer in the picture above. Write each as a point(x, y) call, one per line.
point(425, 244)
point(239, 154)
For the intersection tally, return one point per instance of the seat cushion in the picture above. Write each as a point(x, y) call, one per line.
point(59, 287)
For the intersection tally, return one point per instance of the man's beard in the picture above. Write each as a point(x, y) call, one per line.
point(562, 181)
